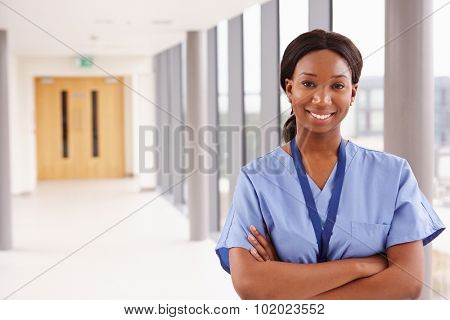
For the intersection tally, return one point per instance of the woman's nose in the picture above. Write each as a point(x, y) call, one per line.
point(322, 96)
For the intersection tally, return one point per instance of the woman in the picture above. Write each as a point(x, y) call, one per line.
point(344, 222)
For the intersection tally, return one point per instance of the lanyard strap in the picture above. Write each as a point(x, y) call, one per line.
point(322, 236)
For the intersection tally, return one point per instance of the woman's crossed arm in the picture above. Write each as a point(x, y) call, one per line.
point(403, 278)
point(282, 280)
point(358, 278)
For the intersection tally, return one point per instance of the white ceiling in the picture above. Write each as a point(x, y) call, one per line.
point(108, 27)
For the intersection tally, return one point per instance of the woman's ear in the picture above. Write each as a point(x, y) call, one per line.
point(288, 86)
point(354, 90)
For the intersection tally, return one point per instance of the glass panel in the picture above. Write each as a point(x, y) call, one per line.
point(222, 86)
point(64, 124)
point(94, 124)
point(441, 199)
point(369, 38)
point(183, 109)
point(293, 22)
point(377, 98)
point(352, 122)
point(252, 81)
point(361, 98)
point(376, 120)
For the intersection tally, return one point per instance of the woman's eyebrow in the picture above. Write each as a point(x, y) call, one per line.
point(339, 75)
point(308, 74)
point(315, 75)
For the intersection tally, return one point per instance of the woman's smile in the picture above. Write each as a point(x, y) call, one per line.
point(320, 117)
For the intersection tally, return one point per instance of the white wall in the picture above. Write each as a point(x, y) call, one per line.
point(14, 132)
point(147, 116)
point(22, 106)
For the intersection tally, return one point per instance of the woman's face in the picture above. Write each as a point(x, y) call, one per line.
point(321, 91)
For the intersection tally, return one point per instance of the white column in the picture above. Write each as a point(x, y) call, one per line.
point(236, 114)
point(408, 94)
point(5, 189)
point(320, 14)
point(165, 142)
point(270, 85)
point(147, 175)
point(213, 121)
point(158, 117)
point(176, 156)
point(196, 116)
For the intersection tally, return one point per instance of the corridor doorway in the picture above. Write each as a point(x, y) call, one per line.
point(79, 128)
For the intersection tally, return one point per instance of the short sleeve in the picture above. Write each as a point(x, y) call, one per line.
point(244, 211)
point(414, 218)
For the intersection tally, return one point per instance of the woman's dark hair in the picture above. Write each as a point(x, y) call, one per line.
point(312, 41)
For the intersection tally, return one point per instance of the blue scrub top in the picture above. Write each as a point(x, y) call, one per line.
point(381, 205)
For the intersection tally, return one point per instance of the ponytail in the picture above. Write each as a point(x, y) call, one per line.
point(290, 128)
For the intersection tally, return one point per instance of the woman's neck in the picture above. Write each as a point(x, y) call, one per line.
point(322, 145)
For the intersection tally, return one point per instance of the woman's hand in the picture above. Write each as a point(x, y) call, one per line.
point(263, 249)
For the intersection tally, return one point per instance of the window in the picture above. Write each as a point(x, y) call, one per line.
point(293, 22)
point(222, 87)
point(252, 81)
point(94, 123)
point(65, 146)
point(364, 122)
point(183, 114)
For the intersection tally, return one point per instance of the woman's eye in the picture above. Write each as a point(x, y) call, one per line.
point(338, 86)
point(308, 84)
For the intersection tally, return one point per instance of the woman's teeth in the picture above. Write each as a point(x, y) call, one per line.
point(321, 117)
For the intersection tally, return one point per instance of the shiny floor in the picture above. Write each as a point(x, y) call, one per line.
point(103, 239)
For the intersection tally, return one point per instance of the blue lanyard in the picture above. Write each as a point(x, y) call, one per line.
point(322, 236)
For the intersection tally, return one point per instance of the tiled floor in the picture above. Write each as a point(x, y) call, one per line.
point(145, 255)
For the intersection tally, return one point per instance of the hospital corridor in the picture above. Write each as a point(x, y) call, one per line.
point(125, 125)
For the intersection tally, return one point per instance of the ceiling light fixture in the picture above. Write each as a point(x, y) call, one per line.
point(161, 22)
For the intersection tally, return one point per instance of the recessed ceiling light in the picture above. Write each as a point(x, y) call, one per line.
point(104, 21)
point(161, 22)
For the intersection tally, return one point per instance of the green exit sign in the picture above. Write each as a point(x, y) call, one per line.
point(85, 62)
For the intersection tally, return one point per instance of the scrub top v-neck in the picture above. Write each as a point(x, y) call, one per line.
point(381, 205)
point(314, 187)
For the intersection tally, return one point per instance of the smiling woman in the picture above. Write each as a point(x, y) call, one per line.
point(341, 221)
point(338, 63)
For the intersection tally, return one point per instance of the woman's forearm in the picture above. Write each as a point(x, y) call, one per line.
point(282, 280)
point(300, 281)
point(402, 280)
point(391, 283)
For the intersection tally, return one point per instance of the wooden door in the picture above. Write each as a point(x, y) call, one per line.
point(79, 128)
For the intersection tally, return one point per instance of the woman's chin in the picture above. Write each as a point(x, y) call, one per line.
point(314, 129)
